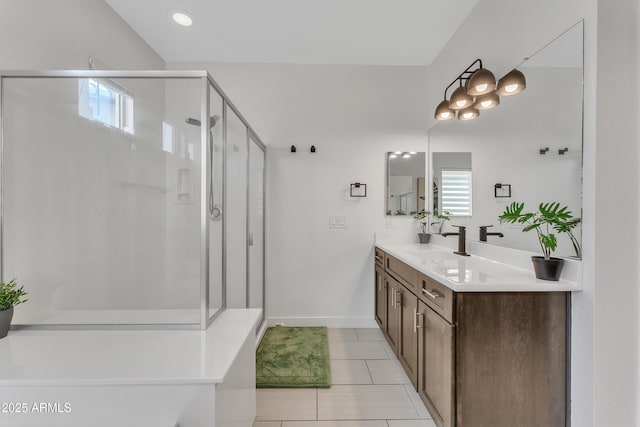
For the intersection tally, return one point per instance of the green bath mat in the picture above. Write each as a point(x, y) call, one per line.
point(293, 357)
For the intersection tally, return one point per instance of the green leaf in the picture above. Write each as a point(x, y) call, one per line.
point(512, 213)
point(549, 241)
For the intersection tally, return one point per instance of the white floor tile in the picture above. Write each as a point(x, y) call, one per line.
point(365, 402)
point(358, 423)
point(369, 334)
point(342, 334)
point(389, 350)
point(267, 424)
point(417, 403)
point(363, 350)
point(349, 372)
point(387, 372)
point(411, 423)
point(286, 404)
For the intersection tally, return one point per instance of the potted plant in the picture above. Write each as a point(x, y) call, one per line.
point(550, 218)
point(10, 296)
point(443, 217)
point(422, 217)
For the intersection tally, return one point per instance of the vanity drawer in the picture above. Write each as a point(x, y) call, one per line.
point(401, 271)
point(437, 296)
point(379, 257)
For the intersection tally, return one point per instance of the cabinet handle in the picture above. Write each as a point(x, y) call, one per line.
point(393, 298)
point(379, 284)
point(415, 320)
point(433, 294)
point(398, 299)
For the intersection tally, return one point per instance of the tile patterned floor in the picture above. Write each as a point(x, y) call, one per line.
point(370, 389)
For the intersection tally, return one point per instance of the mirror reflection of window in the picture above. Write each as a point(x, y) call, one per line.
point(452, 183)
point(405, 182)
point(456, 192)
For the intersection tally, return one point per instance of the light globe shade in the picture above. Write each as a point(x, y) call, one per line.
point(513, 82)
point(460, 99)
point(482, 81)
point(443, 112)
point(469, 113)
point(487, 101)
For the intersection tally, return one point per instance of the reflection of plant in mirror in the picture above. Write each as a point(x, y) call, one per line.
point(422, 217)
point(549, 218)
point(443, 217)
point(389, 212)
point(400, 212)
point(11, 295)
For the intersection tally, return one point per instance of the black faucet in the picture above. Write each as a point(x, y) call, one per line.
point(462, 238)
point(484, 234)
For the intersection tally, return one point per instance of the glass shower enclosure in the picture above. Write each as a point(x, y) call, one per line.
point(121, 199)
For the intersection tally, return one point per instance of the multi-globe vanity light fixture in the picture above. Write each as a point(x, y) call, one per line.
point(477, 91)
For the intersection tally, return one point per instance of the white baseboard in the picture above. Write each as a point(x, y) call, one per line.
point(330, 322)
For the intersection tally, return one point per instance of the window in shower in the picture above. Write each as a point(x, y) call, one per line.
point(106, 102)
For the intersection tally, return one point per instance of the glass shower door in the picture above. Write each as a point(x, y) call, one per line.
point(236, 210)
point(256, 295)
point(215, 208)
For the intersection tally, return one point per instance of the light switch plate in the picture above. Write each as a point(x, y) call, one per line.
point(337, 221)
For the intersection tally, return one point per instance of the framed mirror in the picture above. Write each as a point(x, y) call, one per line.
point(528, 149)
point(406, 182)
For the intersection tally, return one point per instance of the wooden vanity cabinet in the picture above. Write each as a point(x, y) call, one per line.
point(394, 299)
point(436, 365)
point(477, 359)
point(381, 298)
point(407, 350)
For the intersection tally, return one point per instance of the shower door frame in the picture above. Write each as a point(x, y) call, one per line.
point(207, 82)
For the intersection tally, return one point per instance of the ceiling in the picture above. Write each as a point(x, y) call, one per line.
point(372, 32)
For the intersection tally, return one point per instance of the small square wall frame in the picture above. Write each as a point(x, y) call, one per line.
point(502, 190)
point(358, 189)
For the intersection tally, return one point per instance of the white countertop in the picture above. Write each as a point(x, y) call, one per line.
point(472, 273)
point(99, 357)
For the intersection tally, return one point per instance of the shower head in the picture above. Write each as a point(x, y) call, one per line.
point(195, 122)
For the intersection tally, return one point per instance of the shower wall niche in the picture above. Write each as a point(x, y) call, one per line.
point(114, 198)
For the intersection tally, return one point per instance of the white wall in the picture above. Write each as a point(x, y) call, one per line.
point(61, 34)
point(353, 115)
point(604, 315)
point(615, 297)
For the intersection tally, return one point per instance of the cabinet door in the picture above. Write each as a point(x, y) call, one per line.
point(394, 299)
point(381, 298)
point(436, 365)
point(408, 344)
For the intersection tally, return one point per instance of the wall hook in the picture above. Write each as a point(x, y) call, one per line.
point(313, 149)
point(293, 148)
point(544, 150)
point(562, 151)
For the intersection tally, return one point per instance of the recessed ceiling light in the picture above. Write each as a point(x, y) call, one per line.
point(180, 17)
point(406, 156)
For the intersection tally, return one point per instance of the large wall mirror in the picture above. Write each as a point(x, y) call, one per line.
point(406, 184)
point(530, 145)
